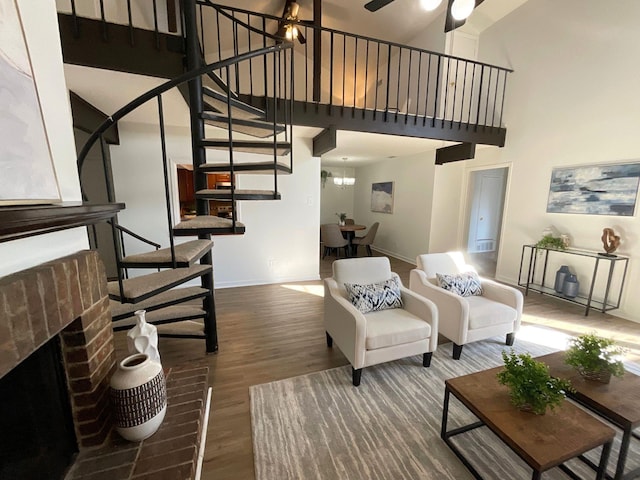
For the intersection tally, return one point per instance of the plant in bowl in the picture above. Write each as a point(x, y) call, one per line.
point(531, 388)
point(595, 358)
point(342, 216)
point(549, 241)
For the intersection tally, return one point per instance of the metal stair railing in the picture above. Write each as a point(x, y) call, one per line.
point(156, 93)
point(357, 74)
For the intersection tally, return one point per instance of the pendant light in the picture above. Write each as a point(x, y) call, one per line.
point(344, 180)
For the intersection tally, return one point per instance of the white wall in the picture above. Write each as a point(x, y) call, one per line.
point(571, 101)
point(405, 232)
point(336, 199)
point(41, 30)
point(281, 242)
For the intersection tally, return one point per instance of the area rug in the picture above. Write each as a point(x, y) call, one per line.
point(319, 426)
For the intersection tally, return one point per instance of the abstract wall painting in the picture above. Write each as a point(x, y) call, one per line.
point(382, 197)
point(606, 189)
point(27, 174)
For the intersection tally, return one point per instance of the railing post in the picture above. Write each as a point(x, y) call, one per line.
point(317, 49)
point(194, 60)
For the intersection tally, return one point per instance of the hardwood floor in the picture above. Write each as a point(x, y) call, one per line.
point(273, 332)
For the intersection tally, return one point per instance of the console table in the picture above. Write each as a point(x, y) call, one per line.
point(604, 305)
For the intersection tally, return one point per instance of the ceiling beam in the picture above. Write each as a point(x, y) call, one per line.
point(324, 142)
point(455, 153)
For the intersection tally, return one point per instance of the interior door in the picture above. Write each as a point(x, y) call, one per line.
point(486, 210)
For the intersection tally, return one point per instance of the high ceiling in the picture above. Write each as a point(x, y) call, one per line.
point(399, 21)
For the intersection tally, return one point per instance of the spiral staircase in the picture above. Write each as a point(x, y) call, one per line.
point(245, 88)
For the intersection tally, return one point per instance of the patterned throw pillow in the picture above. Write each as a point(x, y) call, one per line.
point(463, 284)
point(375, 296)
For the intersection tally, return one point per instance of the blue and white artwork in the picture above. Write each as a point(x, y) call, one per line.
point(382, 197)
point(27, 174)
point(595, 190)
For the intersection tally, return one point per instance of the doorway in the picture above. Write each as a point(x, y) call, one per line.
point(487, 189)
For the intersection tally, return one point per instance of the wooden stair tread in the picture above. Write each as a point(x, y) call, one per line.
point(186, 255)
point(225, 194)
point(208, 224)
point(239, 109)
point(255, 168)
point(175, 313)
point(161, 300)
point(249, 146)
point(140, 288)
point(255, 128)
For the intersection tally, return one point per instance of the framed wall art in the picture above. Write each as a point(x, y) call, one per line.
point(28, 175)
point(382, 197)
point(606, 189)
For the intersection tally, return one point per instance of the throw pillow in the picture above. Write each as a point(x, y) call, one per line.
point(463, 284)
point(375, 296)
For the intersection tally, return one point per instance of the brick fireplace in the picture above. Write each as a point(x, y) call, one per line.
point(67, 299)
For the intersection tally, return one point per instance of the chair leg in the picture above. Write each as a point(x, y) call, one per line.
point(426, 359)
point(329, 340)
point(347, 253)
point(356, 375)
point(511, 337)
point(369, 250)
point(457, 351)
point(326, 252)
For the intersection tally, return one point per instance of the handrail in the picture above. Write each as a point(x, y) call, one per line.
point(357, 73)
point(348, 34)
point(135, 235)
point(168, 85)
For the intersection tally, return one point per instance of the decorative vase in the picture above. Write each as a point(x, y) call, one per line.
point(138, 396)
point(602, 376)
point(342, 223)
point(143, 338)
point(570, 286)
point(561, 274)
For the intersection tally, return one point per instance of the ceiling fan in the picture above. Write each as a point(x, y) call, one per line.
point(457, 10)
point(287, 26)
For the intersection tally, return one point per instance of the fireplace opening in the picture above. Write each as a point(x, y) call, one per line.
point(38, 439)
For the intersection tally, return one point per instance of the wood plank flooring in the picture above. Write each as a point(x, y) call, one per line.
point(273, 332)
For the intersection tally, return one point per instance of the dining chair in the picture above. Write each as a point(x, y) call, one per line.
point(333, 240)
point(349, 221)
point(365, 241)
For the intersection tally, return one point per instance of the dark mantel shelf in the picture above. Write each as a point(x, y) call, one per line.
point(26, 221)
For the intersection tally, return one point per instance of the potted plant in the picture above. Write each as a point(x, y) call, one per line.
point(595, 358)
point(342, 216)
point(531, 388)
point(324, 174)
point(549, 241)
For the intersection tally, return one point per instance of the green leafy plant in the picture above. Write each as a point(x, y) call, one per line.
point(324, 174)
point(342, 216)
point(530, 385)
point(590, 353)
point(549, 241)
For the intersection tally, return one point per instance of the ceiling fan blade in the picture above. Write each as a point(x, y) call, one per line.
point(301, 38)
point(375, 5)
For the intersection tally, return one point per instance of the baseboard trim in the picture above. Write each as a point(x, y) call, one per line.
point(394, 255)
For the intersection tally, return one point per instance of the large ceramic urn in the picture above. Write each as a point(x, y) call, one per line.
point(138, 397)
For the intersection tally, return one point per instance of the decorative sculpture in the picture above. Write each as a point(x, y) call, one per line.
point(610, 242)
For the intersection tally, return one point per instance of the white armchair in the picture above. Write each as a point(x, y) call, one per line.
point(463, 320)
point(379, 336)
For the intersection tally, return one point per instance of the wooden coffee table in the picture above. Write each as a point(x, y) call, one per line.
point(618, 402)
point(542, 441)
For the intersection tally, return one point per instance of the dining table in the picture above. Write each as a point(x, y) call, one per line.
point(350, 231)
